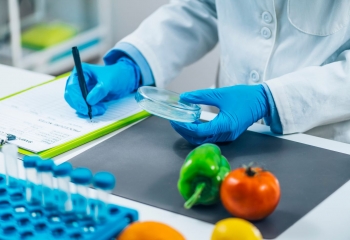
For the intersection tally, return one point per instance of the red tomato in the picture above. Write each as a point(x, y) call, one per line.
point(250, 193)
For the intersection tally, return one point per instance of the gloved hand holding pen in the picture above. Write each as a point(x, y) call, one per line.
point(104, 83)
point(240, 106)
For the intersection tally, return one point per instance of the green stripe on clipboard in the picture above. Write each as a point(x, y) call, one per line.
point(65, 147)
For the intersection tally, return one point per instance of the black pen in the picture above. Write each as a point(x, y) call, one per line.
point(81, 78)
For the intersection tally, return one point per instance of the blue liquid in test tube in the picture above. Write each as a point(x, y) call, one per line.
point(45, 177)
point(81, 177)
point(10, 152)
point(104, 183)
point(63, 194)
point(32, 191)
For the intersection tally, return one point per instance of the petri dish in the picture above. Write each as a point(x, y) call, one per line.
point(166, 104)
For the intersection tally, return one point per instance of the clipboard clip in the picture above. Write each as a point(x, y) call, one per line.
point(9, 137)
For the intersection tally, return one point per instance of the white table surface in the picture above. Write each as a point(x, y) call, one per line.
point(328, 221)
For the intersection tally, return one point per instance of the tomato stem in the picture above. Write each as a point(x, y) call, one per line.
point(250, 172)
point(196, 195)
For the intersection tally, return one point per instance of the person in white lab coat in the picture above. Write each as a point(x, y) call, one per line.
point(286, 61)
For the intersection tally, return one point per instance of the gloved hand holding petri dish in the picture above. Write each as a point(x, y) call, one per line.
point(166, 104)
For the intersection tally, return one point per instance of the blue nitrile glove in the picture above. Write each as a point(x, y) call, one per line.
point(240, 106)
point(104, 83)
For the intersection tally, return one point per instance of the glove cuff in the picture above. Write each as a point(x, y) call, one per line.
point(137, 72)
point(265, 101)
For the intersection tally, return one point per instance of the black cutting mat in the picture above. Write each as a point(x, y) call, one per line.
point(147, 157)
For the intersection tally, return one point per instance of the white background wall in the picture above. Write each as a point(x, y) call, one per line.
point(128, 14)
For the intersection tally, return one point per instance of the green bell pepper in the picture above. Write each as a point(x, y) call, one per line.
point(201, 175)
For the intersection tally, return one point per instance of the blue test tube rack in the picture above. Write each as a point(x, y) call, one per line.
point(22, 220)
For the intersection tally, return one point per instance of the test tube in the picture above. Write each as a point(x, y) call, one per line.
point(32, 193)
point(81, 177)
point(44, 168)
point(63, 194)
point(104, 183)
point(11, 168)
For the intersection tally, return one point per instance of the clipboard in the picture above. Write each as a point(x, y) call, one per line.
point(71, 144)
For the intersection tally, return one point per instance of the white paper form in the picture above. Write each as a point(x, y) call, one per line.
point(40, 118)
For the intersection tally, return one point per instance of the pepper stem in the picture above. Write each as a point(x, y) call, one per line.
point(250, 172)
point(196, 195)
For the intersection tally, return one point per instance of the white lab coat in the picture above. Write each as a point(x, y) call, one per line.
point(299, 48)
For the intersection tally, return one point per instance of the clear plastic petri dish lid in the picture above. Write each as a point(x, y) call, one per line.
point(166, 104)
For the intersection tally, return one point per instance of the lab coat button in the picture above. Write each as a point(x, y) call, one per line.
point(266, 32)
point(267, 17)
point(254, 76)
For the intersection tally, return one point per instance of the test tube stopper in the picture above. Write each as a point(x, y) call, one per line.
point(104, 180)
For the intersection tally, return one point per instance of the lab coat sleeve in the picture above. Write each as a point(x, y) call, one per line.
point(313, 96)
point(175, 36)
point(125, 49)
point(272, 120)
